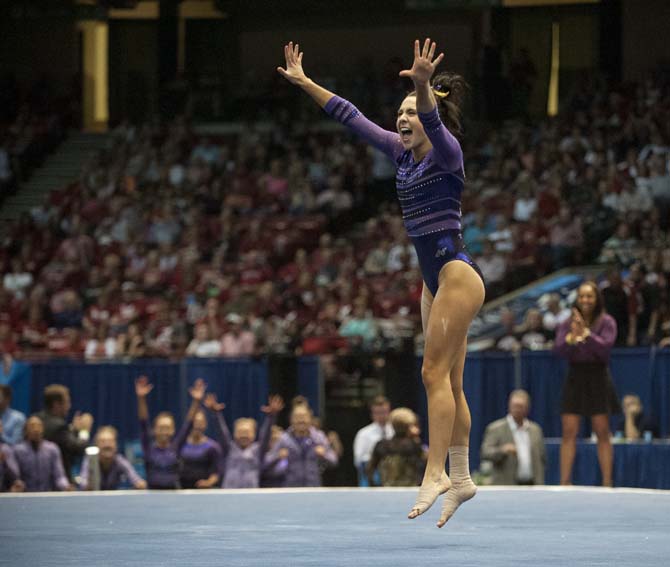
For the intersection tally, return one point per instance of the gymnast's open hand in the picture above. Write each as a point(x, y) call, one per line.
point(293, 72)
point(424, 66)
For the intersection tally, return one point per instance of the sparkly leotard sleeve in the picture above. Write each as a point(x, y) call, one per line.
point(429, 190)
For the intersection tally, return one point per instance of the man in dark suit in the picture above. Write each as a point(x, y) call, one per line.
point(71, 439)
point(515, 445)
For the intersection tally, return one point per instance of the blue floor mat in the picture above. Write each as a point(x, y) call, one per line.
point(357, 527)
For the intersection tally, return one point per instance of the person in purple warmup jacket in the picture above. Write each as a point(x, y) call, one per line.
point(586, 340)
point(201, 457)
point(429, 180)
point(243, 455)
point(305, 448)
point(161, 457)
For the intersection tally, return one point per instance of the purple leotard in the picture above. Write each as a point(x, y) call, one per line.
point(429, 191)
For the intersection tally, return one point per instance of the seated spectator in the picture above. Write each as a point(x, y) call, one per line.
point(19, 280)
point(39, 461)
point(509, 341)
point(621, 247)
point(400, 460)
point(554, 314)
point(114, 470)
point(202, 345)
point(102, 346)
point(12, 420)
point(360, 327)
point(244, 455)
point(565, 238)
point(635, 424)
point(533, 335)
point(72, 439)
point(161, 457)
point(514, 445)
point(237, 341)
point(493, 267)
point(305, 448)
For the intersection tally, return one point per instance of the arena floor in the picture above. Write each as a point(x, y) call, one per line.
point(328, 527)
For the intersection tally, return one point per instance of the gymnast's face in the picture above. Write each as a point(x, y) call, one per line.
point(412, 134)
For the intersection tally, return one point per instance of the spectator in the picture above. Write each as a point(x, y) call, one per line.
point(360, 327)
point(273, 470)
point(244, 455)
point(72, 439)
point(635, 424)
point(114, 470)
point(565, 237)
point(586, 340)
point(39, 460)
point(401, 459)
point(9, 469)
point(306, 449)
point(201, 458)
point(161, 458)
point(202, 345)
point(13, 421)
point(237, 341)
point(509, 341)
point(514, 445)
point(554, 314)
point(533, 335)
point(367, 438)
point(617, 301)
point(493, 266)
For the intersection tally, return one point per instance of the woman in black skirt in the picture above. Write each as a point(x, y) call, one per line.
point(586, 340)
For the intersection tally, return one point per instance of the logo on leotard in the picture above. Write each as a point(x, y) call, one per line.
point(441, 252)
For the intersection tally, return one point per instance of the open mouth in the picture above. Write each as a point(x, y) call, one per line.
point(405, 134)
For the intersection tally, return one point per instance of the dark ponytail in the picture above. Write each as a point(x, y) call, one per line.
point(454, 87)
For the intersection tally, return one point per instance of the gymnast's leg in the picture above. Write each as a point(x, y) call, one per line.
point(458, 299)
point(462, 487)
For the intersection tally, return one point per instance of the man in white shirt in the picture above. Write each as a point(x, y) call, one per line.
point(515, 445)
point(370, 435)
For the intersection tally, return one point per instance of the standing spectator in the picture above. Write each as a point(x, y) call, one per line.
point(515, 445)
point(39, 460)
point(586, 341)
point(306, 449)
point(161, 458)
point(237, 341)
point(12, 420)
point(244, 456)
point(71, 439)
point(400, 460)
point(616, 299)
point(113, 468)
point(367, 438)
point(201, 458)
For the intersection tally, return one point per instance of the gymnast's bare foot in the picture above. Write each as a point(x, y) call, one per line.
point(428, 493)
point(458, 493)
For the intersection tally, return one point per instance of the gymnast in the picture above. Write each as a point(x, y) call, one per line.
point(429, 183)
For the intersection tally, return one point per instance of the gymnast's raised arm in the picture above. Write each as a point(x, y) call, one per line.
point(341, 110)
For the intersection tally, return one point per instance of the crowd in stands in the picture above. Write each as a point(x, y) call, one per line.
point(33, 121)
point(287, 239)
